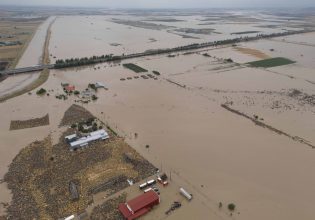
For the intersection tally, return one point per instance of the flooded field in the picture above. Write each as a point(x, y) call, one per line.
point(220, 156)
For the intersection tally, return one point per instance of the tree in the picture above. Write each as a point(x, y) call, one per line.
point(41, 91)
point(94, 127)
point(156, 72)
point(94, 97)
point(231, 207)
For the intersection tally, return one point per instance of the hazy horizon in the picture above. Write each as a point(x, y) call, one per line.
point(150, 4)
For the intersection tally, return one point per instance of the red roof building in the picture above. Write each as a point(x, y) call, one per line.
point(139, 205)
point(70, 88)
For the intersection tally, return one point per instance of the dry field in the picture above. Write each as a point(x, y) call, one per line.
point(21, 30)
point(31, 123)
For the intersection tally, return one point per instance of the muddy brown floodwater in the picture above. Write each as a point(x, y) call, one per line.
point(216, 155)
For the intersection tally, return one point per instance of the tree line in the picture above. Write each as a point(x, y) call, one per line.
point(60, 63)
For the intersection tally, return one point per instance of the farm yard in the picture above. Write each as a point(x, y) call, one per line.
point(47, 170)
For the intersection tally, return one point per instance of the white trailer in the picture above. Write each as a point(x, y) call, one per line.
point(70, 217)
point(185, 194)
point(151, 182)
point(147, 190)
point(142, 186)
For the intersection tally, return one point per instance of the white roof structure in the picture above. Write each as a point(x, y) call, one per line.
point(93, 136)
point(70, 217)
point(99, 85)
point(69, 137)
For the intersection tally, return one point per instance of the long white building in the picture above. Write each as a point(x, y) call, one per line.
point(93, 136)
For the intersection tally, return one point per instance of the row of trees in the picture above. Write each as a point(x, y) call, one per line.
point(107, 58)
point(83, 61)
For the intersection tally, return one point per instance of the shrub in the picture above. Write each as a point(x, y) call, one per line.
point(94, 127)
point(89, 121)
point(41, 91)
point(220, 204)
point(94, 97)
point(92, 86)
point(231, 207)
point(156, 72)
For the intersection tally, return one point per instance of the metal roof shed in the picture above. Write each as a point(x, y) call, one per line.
point(143, 201)
point(139, 205)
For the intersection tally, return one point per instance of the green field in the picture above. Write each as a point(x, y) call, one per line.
point(134, 68)
point(271, 62)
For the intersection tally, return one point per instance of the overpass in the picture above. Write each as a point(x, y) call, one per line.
point(27, 69)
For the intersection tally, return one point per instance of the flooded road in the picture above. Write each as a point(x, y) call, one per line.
point(31, 57)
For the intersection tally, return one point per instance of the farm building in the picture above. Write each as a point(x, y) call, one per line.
point(93, 136)
point(71, 138)
point(69, 88)
point(140, 205)
point(99, 85)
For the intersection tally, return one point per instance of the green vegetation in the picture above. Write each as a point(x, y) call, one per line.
point(92, 86)
point(86, 126)
point(134, 68)
point(41, 91)
point(62, 96)
point(231, 207)
point(156, 73)
point(84, 61)
point(94, 97)
point(246, 32)
point(73, 62)
point(271, 62)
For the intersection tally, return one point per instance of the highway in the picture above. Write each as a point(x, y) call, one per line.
point(27, 69)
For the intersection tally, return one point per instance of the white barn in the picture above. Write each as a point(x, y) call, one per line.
point(93, 136)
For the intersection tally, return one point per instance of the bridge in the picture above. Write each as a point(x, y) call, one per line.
point(27, 69)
